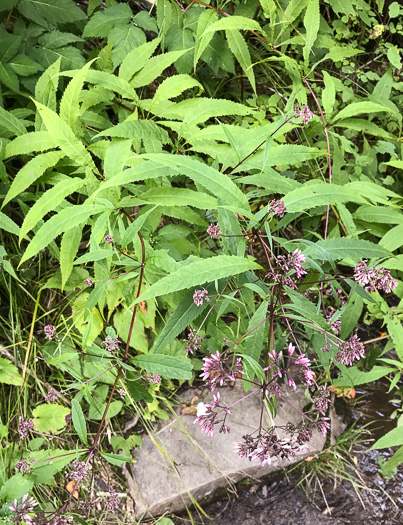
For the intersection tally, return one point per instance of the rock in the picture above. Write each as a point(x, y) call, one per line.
point(180, 463)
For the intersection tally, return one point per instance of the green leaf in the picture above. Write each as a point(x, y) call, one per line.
point(328, 94)
point(393, 239)
point(169, 196)
point(63, 221)
point(311, 23)
point(154, 68)
point(392, 439)
point(9, 78)
point(116, 459)
point(136, 59)
point(233, 22)
point(29, 143)
point(342, 248)
point(53, 11)
point(68, 250)
point(240, 50)
point(111, 82)
point(166, 365)
point(216, 182)
point(11, 123)
point(394, 57)
point(131, 232)
point(395, 330)
point(174, 86)
point(317, 194)
point(378, 214)
point(352, 376)
point(15, 487)
point(24, 66)
point(9, 373)
point(79, 423)
point(31, 171)
point(45, 90)
point(138, 392)
point(104, 21)
point(255, 341)
point(137, 129)
point(124, 39)
point(339, 53)
point(65, 138)
point(197, 273)
point(8, 224)
point(206, 19)
point(49, 201)
point(50, 417)
point(356, 108)
point(70, 104)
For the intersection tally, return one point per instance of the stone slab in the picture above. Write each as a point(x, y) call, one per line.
point(180, 462)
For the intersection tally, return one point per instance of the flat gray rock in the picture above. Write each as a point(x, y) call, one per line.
point(180, 463)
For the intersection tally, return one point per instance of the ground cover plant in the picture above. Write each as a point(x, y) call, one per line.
point(190, 192)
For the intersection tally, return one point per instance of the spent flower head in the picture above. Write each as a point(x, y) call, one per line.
point(25, 427)
point(193, 342)
point(51, 396)
point(349, 351)
point(113, 501)
point(23, 466)
point(277, 208)
point(79, 471)
point(111, 343)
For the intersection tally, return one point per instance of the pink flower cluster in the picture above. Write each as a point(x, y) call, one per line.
point(214, 372)
point(50, 331)
point(214, 231)
point(111, 343)
point(208, 420)
point(193, 342)
point(108, 239)
point(277, 208)
point(374, 278)
point(25, 427)
point(349, 351)
point(199, 297)
point(292, 261)
point(306, 374)
point(79, 472)
point(153, 378)
point(23, 510)
point(305, 113)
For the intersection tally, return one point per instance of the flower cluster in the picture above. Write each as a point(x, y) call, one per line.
point(153, 378)
point(79, 472)
point(208, 420)
point(108, 239)
point(214, 371)
point(266, 445)
point(349, 351)
point(305, 113)
point(374, 278)
point(50, 331)
point(112, 503)
point(306, 374)
point(23, 466)
point(277, 208)
point(89, 282)
point(25, 427)
point(193, 342)
point(321, 400)
point(111, 343)
point(51, 396)
point(292, 261)
point(199, 297)
point(214, 231)
point(23, 510)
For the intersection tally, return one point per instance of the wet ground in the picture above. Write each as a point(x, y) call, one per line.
point(280, 501)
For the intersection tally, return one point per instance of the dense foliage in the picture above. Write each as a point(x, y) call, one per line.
point(228, 174)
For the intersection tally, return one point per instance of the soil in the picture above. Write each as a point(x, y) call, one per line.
point(280, 501)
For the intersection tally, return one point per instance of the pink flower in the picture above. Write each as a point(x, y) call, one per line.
point(50, 331)
point(292, 384)
point(89, 282)
point(302, 361)
point(199, 297)
point(214, 231)
point(308, 376)
point(374, 278)
point(349, 351)
point(153, 378)
point(109, 239)
point(277, 208)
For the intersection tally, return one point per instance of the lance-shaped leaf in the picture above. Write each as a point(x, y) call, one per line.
point(49, 201)
point(31, 171)
point(166, 365)
point(63, 221)
point(239, 47)
point(234, 22)
point(344, 247)
point(356, 108)
point(198, 273)
point(79, 421)
point(65, 138)
point(29, 143)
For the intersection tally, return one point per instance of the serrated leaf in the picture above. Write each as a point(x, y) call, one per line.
point(64, 136)
point(392, 439)
point(11, 123)
point(352, 376)
point(104, 21)
point(8, 224)
point(395, 330)
point(63, 221)
point(68, 250)
point(111, 82)
point(115, 157)
point(234, 22)
point(49, 201)
point(174, 86)
point(328, 94)
point(137, 59)
point(356, 108)
point(255, 341)
point(29, 143)
point(311, 23)
point(240, 50)
point(124, 39)
point(137, 129)
point(154, 68)
point(9, 373)
point(79, 423)
point(31, 171)
point(343, 248)
point(50, 417)
point(317, 194)
point(169, 196)
point(198, 273)
point(116, 459)
point(9, 78)
point(213, 180)
point(207, 18)
point(70, 105)
point(378, 214)
point(166, 365)
point(53, 11)
point(24, 66)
